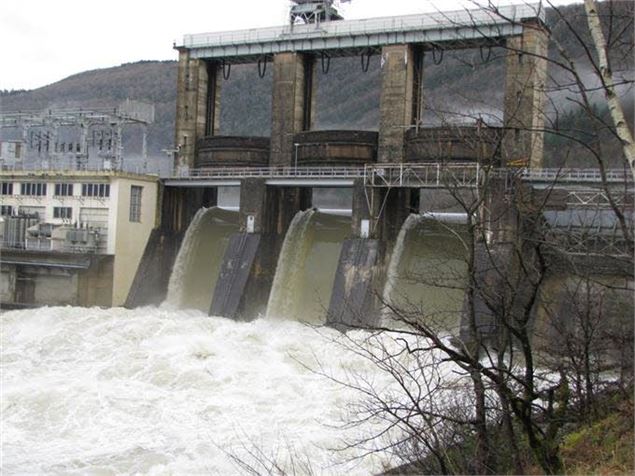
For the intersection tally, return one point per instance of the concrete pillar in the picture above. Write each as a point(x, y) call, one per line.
point(524, 113)
point(384, 209)
point(191, 107)
point(288, 104)
point(271, 208)
point(362, 206)
point(396, 101)
point(378, 214)
point(354, 297)
point(257, 212)
point(212, 97)
point(505, 265)
point(499, 213)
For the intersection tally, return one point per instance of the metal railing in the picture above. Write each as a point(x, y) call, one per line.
point(60, 167)
point(575, 175)
point(411, 175)
point(270, 172)
point(422, 175)
point(47, 245)
point(470, 175)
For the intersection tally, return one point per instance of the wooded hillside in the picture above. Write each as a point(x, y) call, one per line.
point(465, 81)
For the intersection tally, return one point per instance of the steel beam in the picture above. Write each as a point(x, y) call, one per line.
point(467, 27)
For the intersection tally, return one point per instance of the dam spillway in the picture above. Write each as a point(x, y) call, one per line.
point(306, 267)
point(198, 262)
point(427, 272)
point(303, 278)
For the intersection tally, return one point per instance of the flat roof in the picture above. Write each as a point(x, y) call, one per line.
point(43, 174)
point(473, 26)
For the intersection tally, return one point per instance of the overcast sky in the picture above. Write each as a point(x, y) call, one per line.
point(44, 41)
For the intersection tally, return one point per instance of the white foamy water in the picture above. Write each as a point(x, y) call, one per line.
point(159, 391)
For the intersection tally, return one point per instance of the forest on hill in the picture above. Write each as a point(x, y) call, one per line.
point(466, 83)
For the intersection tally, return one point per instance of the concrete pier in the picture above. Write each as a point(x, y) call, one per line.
point(525, 80)
point(291, 103)
point(354, 300)
point(249, 264)
point(396, 101)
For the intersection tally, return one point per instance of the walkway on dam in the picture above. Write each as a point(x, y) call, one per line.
point(431, 175)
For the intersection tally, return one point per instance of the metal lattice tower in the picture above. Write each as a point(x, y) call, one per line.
point(313, 11)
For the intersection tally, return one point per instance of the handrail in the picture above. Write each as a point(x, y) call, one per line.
point(270, 172)
point(56, 167)
point(429, 173)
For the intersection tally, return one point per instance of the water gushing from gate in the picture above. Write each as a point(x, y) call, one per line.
point(306, 267)
point(427, 271)
point(200, 257)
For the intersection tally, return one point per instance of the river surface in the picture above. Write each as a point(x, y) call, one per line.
point(165, 391)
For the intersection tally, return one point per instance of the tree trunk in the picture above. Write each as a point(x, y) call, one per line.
point(615, 108)
point(483, 452)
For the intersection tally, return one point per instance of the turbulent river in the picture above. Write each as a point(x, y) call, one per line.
point(164, 391)
point(170, 390)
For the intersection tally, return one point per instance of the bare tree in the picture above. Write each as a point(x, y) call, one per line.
point(496, 383)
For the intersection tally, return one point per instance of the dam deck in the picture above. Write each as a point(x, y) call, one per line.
point(478, 26)
point(433, 175)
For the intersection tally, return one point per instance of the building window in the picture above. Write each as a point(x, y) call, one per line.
point(63, 189)
point(95, 190)
point(63, 212)
point(6, 188)
point(135, 203)
point(33, 189)
point(6, 210)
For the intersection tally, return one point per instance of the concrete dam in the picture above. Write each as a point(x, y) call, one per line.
point(427, 256)
point(402, 240)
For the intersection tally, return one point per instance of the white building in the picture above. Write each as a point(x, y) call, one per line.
point(62, 231)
